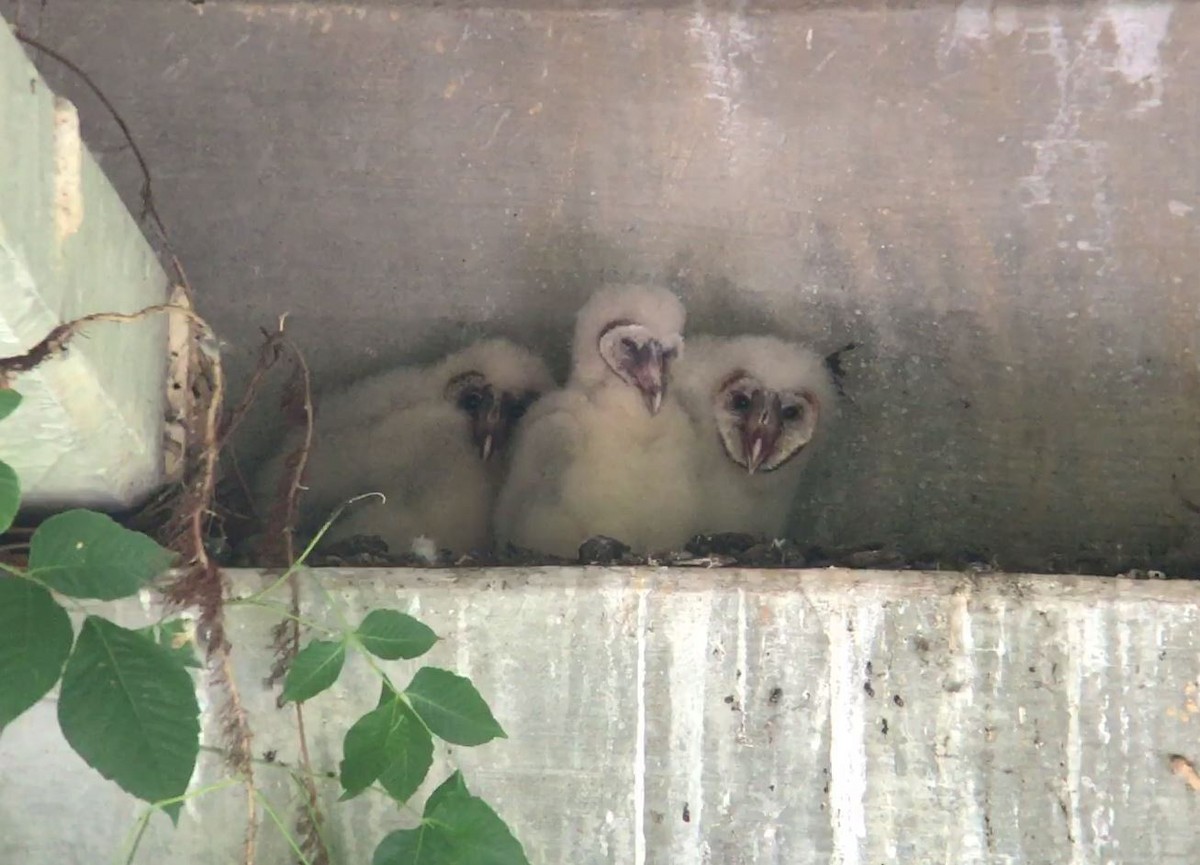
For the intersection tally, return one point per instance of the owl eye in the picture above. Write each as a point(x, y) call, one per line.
point(470, 401)
point(790, 412)
point(628, 344)
point(739, 402)
point(517, 410)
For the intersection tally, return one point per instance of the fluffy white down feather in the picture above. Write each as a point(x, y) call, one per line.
point(396, 433)
point(730, 499)
point(591, 459)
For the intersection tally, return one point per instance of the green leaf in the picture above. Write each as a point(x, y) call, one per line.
point(453, 786)
point(451, 707)
point(386, 693)
point(35, 639)
point(388, 744)
point(9, 400)
point(128, 708)
point(458, 829)
point(391, 635)
point(86, 555)
point(10, 494)
point(421, 846)
point(315, 668)
point(176, 638)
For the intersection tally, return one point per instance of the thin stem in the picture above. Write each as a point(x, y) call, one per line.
point(406, 806)
point(312, 545)
point(197, 793)
point(314, 815)
point(252, 601)
point(139, 829)
point(266, 806)
point(333, 607)
point(310, 788)
point(272, 764)
point(319, 776)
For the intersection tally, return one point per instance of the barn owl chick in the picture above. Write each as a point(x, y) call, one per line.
point(434, 440)
point(608, 454)
point(759, 404)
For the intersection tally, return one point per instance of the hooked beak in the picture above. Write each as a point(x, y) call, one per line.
point(762, 430)
point(648, 376)
point(488, 428)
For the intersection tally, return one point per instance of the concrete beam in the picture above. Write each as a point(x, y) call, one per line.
point(997, 201)
point(660, 716)
point(91, 427)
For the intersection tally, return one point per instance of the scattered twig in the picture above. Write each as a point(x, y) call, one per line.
point(280, 522)
point(279, 536)
point(269, 354)
point(1183, 767)
point(239, 476)
point(55, 342)
point(299, 394)
point(310, 820)
point(203, 584)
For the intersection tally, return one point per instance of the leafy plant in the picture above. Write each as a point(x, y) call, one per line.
point(127, 703)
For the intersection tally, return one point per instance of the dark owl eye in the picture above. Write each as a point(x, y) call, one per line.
point(739, 402)
point(628, 344)
point(470, 401)
point(517, 410)
point(790, 412)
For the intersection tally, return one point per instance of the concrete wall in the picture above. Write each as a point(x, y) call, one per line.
point(798, 717)
point(1001, 202)
point(90, 428)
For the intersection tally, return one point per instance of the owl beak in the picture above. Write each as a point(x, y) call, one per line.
point(488, 429)
point(649, 377)
point(763, 427)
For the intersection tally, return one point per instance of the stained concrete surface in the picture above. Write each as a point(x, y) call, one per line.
point(1000, 202)
point(89, 430)
point(799, 717)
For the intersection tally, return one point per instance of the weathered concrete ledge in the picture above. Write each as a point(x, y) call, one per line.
point(667, 716)
point(90, 430)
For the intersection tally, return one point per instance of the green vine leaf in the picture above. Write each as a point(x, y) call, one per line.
point(35, 639)
point(9, 400)
point(391, 635)
point(420, 846)
point(85, 554)
point(388, 744)
point(10, 494)
point(128, 708)
point(176, 639)
point(453, 786)
point(458, 829)
point(452, 708)
point(316, 667)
